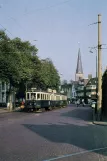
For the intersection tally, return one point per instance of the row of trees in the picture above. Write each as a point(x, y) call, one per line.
point(20, 66)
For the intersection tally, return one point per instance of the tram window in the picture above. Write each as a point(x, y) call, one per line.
point(41, 96)
point(33, 95)
point(45, 96)
point(38, 96)
point(28, 96)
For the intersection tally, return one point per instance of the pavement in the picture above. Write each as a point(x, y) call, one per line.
point(66, 134)
point(5, 110)
point(102, 123)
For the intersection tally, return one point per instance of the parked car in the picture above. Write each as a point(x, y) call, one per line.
point(93, 104)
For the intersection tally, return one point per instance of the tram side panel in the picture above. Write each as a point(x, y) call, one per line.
point(37, 100)
point(45, 101)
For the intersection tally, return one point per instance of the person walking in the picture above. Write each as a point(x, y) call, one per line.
point(83, 103)
point(78, 103)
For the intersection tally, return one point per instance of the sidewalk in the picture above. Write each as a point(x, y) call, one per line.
point(5, 110)
point(102, 123)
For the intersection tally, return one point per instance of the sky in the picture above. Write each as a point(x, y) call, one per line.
point(58, 26)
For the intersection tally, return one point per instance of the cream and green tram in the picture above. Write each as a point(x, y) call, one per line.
point(39, 99)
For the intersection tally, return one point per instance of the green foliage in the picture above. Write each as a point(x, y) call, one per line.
point(20, 65)
point(49, 74)
point(16, 60)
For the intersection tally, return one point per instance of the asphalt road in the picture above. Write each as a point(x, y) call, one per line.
point(62, 135)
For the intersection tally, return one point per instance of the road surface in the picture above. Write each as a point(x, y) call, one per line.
point(62, 135)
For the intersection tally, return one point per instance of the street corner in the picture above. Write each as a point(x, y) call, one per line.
point(100, 123)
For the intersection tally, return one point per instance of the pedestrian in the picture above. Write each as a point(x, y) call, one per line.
point(78, 102)
point(83, 102)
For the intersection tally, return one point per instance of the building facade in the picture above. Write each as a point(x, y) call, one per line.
point(3, 93)
point(67, 89)
point(91, 89)
point(81, 89)
point(74, 90)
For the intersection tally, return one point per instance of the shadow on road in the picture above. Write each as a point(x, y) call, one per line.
point(85, 137)
point(84, 114)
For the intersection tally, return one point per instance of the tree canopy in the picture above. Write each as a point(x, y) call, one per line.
point(49, 74)
point(19, 64)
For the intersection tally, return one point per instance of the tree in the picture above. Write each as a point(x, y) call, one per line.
point(16, 61)
point(49, 74)
point(20, 66)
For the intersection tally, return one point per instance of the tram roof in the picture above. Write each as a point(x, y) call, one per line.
point(45, 92)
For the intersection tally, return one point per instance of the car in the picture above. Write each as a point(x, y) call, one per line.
point(93, 104)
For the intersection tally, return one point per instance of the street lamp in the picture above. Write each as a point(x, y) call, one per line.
point(96, 77)
point(96, 58)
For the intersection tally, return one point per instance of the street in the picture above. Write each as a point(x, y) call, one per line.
point(63, 135)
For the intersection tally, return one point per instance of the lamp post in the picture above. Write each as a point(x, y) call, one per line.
point(96, 77)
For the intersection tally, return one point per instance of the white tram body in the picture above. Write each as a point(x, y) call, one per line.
point(39, 99)
point(45, 96)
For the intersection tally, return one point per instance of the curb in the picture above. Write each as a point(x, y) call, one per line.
point(101, 123)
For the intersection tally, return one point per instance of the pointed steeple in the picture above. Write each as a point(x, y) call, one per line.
point(79, 69)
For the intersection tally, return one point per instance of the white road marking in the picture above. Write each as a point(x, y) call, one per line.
point(74, 154)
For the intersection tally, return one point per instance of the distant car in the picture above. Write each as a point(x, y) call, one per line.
point(93, 104)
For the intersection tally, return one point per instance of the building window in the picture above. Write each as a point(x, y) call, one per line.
point(0, 97)
point(3, 85)
point(7, 86)
point(3, 97)
point(0, 87)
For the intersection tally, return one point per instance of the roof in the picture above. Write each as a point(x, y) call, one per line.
point(92, 81)
point(83, 81)
point(79, 68)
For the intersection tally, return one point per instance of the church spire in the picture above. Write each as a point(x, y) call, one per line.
point(79, 69)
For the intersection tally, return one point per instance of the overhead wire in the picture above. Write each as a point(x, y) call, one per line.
point(40, 9)
point(48, 7)
point(6, 30)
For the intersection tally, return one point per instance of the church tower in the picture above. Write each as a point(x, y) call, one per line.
point(79, 70)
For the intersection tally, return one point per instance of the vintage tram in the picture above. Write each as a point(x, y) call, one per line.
point(36, 100)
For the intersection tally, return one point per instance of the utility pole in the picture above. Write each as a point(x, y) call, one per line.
point(96, 81)
point(96, 75)
point(99, 101)
point(99, 93)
